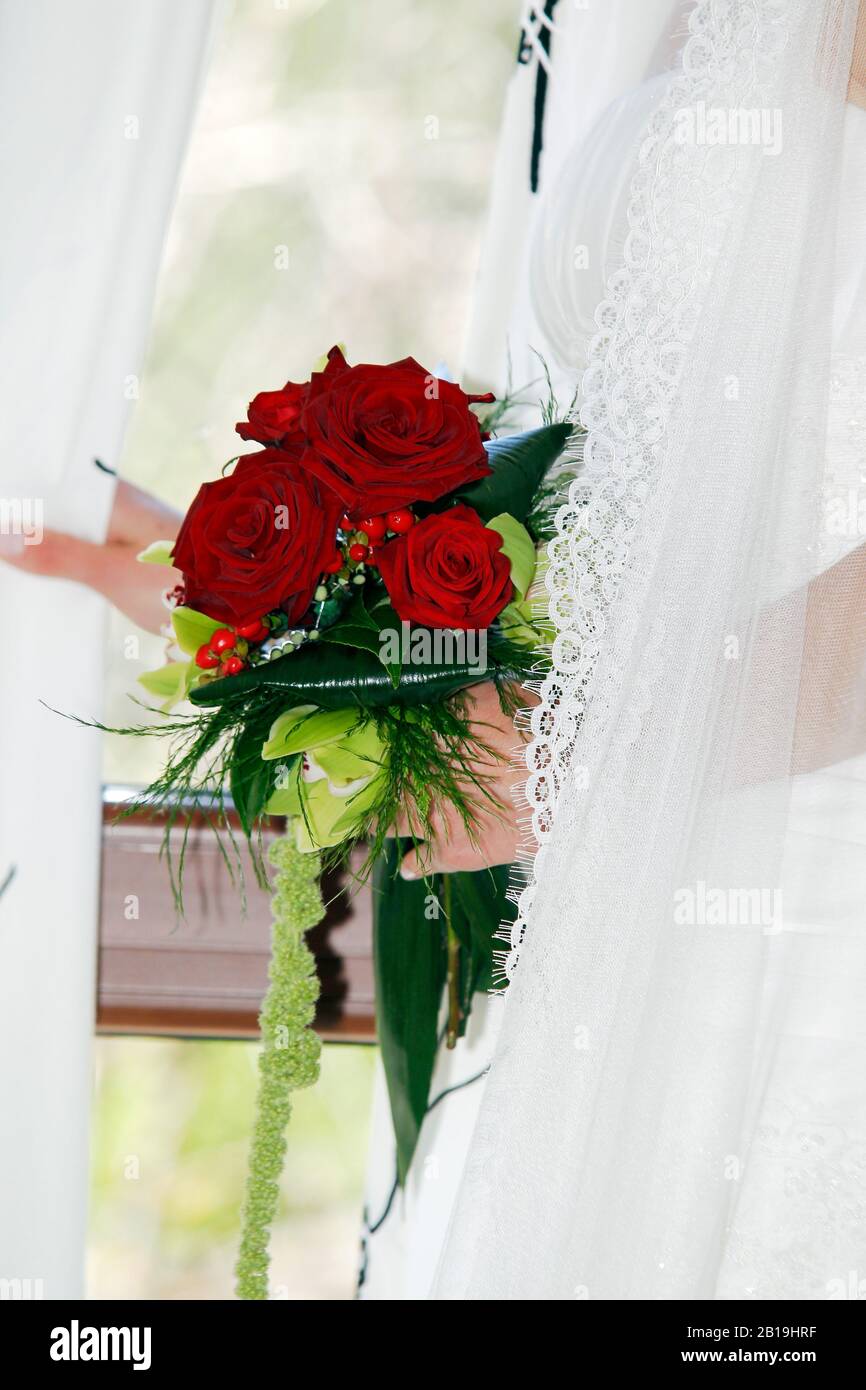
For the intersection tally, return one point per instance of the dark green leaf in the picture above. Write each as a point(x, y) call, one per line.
point(251, 779)
point(362, 630)
point(357, 613)
point(378, 606)
point(386, 619)
point(349, 634)
point(332, 677)
point(478, 907)
point(409, 962)
point(519, 463)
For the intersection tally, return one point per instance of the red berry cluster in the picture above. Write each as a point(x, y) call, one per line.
point(228, 648)
point(371, 532)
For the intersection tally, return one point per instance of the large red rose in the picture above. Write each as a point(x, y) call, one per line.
point(386, 436)
point(449, 571)
point(256, 540)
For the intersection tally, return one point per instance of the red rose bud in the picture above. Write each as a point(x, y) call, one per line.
point(383, 437)
point(232, 665)
point(205, 658)
point(273, 417)
point(400, 522)
point(357, 552)
point(370, 556)
point(222, 640)
point(448, 571)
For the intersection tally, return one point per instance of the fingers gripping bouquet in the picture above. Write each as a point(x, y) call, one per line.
point(343, 586)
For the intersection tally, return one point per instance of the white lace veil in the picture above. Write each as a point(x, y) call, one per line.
point(675, 1107)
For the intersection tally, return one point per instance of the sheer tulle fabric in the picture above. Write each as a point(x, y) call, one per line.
point(675, 1104)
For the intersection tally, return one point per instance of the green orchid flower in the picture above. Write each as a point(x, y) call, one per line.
point(336, 777)
point(170, 683)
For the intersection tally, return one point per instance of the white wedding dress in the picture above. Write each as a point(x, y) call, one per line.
point(676, 1105)
point(798, 1226)
point(679, 1111)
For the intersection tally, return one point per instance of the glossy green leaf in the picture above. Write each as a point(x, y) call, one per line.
point(409, 962)
point(478, 907)
point(252, 780)
point(334, 677)
point(387, 621)
point(369, 616)
point(519, 547)
point(361, 637)
point(519, 463)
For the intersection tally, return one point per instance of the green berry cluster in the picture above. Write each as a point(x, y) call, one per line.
point(289, 1057)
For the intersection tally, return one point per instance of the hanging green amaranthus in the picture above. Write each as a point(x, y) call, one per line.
point(289, 1057)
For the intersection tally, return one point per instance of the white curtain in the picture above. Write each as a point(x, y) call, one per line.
point(96, 101)
point(676, 1103)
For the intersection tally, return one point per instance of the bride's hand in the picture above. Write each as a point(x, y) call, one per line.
point(496, 836)
point(112, 569)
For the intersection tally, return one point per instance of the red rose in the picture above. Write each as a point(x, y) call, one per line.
point(273, 417)
point(384, 437)
point(448, 571)
point(256, 540)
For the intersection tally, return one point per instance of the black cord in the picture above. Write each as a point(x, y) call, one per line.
point(458, 1086)
point(525, 51)
point(371, 1229)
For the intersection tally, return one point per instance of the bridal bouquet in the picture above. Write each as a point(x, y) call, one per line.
point(343, 586)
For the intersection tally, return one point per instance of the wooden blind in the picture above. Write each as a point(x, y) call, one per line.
point(204, 975)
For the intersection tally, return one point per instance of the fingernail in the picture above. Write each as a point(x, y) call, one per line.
point(409, 874)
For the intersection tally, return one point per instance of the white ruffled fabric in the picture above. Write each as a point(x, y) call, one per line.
point(675, 1107)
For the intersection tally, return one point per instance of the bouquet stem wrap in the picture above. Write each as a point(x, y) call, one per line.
point(289, 1058)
